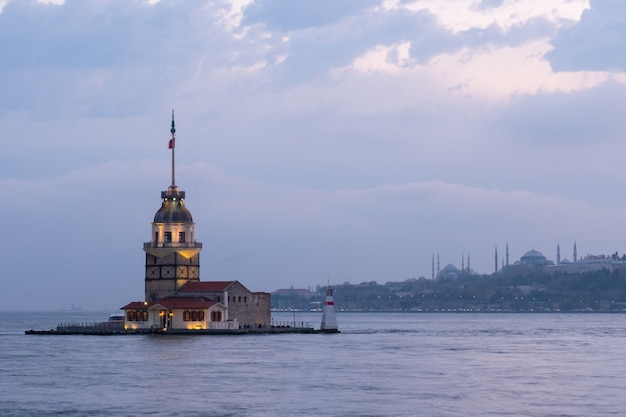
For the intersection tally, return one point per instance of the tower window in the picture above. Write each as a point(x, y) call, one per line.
point(167, 237)
point(181, 237)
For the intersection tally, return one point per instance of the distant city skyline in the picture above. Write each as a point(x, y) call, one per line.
point(317, 141)
point(575, 264)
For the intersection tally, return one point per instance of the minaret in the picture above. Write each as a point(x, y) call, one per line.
point(433, 268)
point(558, 254)
point(462, 263)
point(469, 271)
point(438, 269)
point(173, 255)
point(507, 253)
point(496, 259)
point(329, 315)
point(575, 253)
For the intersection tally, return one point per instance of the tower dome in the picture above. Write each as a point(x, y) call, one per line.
point(173, 208)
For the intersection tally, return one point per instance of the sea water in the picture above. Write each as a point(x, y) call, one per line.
point(381, 364)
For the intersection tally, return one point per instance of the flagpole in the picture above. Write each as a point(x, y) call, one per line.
point(173, 145)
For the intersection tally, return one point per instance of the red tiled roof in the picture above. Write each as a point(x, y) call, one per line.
point(136, 305)
point(205, 286)
point(171, 303)
point(184, 302)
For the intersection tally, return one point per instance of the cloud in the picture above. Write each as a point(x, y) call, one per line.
point(287, 15)
point(268, 236)
point(347, 142)
point(595, 43)
point(462, 15)
point(120, 48)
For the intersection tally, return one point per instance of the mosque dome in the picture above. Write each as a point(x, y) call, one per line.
point(449, 271)
point(173, 211)
point(533, 257)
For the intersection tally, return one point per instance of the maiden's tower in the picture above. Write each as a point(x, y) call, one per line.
point(173, 255)
point(175, 298)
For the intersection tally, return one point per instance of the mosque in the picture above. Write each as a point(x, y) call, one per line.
point(175, 298)
point(534, 261)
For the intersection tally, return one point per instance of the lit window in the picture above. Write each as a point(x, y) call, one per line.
point(168, 237)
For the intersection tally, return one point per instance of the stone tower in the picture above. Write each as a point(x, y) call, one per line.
point(173, 255)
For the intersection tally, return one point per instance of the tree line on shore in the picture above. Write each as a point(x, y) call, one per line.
point(598, 291)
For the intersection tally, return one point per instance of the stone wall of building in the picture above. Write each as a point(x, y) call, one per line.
point(165, 274)
point(262, 303)
point(250, 309)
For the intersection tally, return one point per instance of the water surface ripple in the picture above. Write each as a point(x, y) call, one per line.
point(380, 365)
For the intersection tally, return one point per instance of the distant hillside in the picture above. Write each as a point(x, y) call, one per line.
point(599, 291)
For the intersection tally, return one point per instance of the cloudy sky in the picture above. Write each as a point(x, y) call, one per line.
point(317, 141)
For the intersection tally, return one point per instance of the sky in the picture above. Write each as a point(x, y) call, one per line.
point(317, 141)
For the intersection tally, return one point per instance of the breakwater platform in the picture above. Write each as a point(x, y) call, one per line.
point(117, 328)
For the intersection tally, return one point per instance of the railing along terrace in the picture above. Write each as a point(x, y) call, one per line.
point(166, 194)
point(292, 324)
point(176, 245)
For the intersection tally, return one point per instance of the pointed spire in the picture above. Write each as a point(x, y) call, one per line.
point(575, 252)
point(558, 254)
point(507, 253)
point(438, 269)
point(172, 145)
point(433, 266)
point(496, 259)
